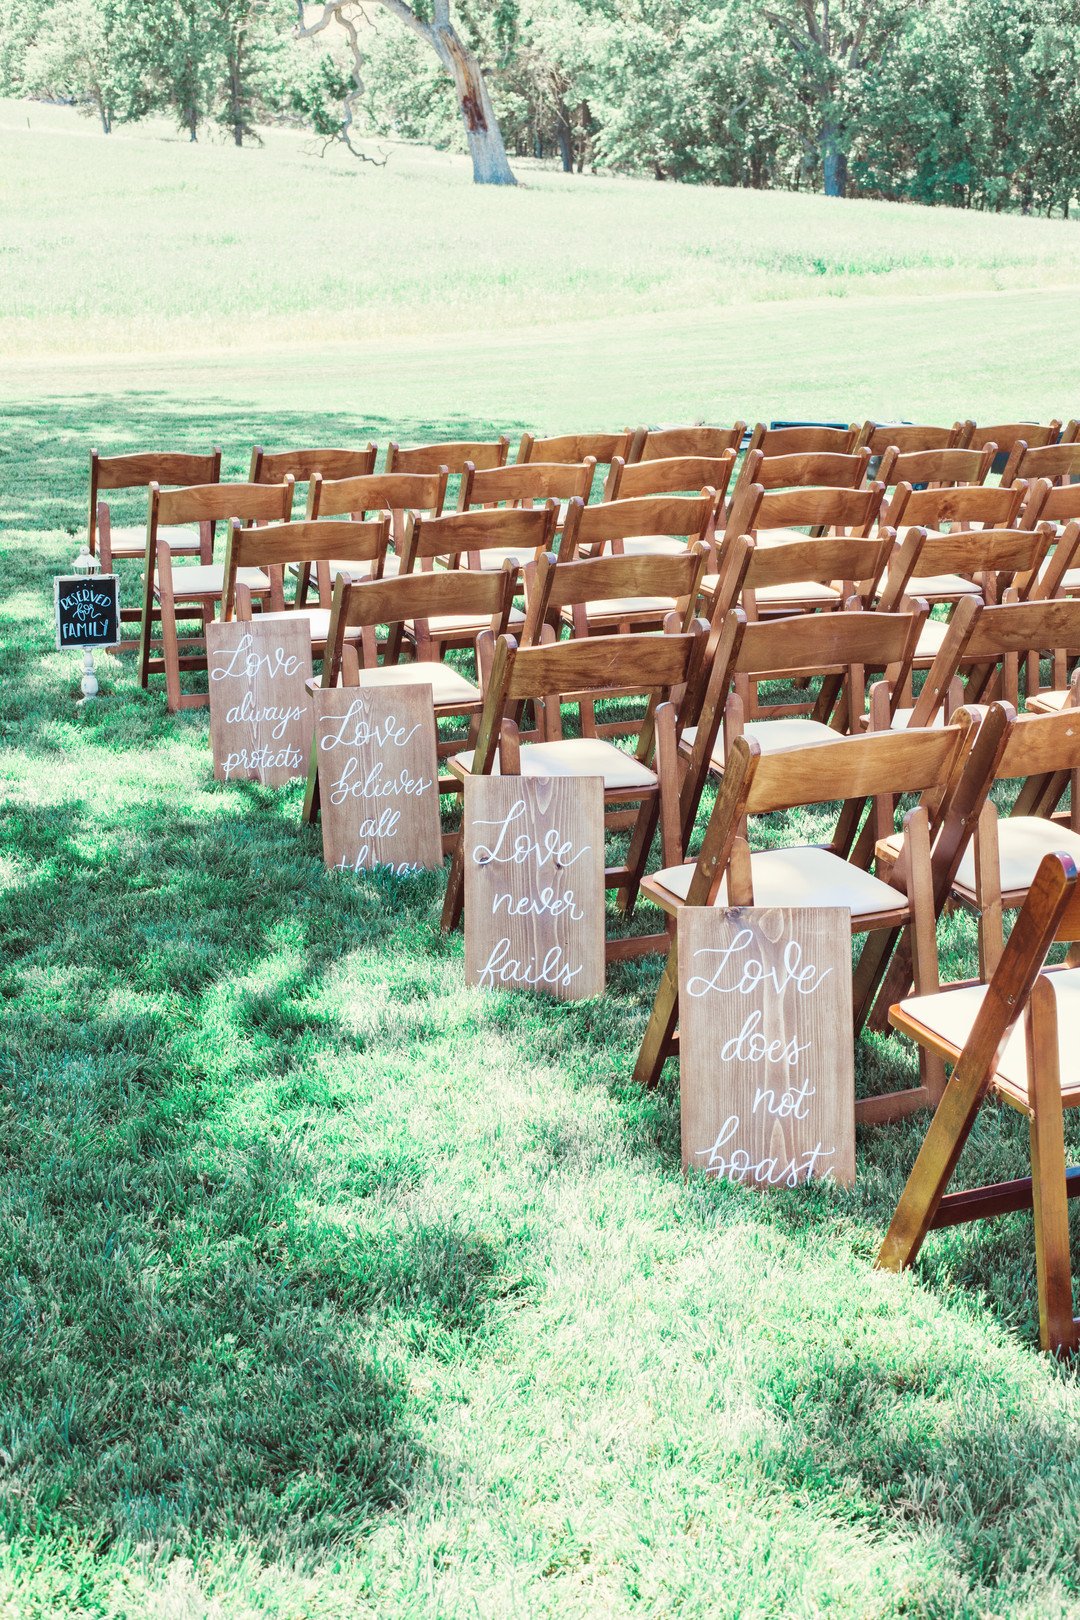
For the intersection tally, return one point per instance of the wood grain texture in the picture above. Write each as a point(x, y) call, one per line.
point(261, 713)
point(767, 1077)
point(378, 777)
point(534, 884)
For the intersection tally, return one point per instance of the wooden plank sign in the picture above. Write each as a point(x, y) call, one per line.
point(87, 610)
point(378, 777)
point(261, 713)
point(534, 884)
point(766, 1044)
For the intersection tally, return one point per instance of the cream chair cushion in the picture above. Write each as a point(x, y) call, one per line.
point(945, 587)
point(129, 539)
point(447, 686)
point(902, 718)
point(318, 620)
point(624, 607)
point(467, 624)
point(773, 736)
point(930, 638)
point(801, 876)
point(651, 545)
point(208, 579)
point(575, 756)
point(950, 1015)
point(1022, 843)
point(1049, 702)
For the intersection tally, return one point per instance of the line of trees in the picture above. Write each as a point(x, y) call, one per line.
point(975, 103)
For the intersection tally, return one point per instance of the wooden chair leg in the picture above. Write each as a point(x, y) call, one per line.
point(454, 899)
point(1050, 1204)
point(658, 1040)
point(170, 650)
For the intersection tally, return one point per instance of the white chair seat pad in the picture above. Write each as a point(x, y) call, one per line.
point(651, 545)
point(803, 590)
point(950, 1015)
point(773, 736)
point(945, 586)
point(493, 557)
point(577, 756)
point(1022, 843)
point(466, 624)
point(318, 619)
point(1049, 702)
point(930, 637)
point(618, 607)
point(129, 539)
point(902, 718)
point(447, 686)
point(801, 876)
point(208, 579)
point(780, 537)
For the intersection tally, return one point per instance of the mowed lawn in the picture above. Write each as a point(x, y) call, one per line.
point(331, 1288)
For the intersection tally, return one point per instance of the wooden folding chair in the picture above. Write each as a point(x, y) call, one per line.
point(853, 771)
point(112, 542)
point(660, 444)
point(328, 548)
point(827, 468)
point(956, 466)
point(451, 454)
point(806, 575)
point(458, 541)
point(400, 494)
point(835, 648)
point(191, 592)
point(352, 650)
point(610, 594)
point(646, 526)
point(1009, 1038)
point(777, 517)
point(1059, 462)
point(602, 447)
point(975, 562)
point(803, 439)
point(654, 666)
point(525, 484)
point(907, 437)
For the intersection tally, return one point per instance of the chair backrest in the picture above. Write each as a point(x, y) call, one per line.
point(959, 506)
point(837, 469)
point(1059, 462)
point(1041, 745)
point(1006, 434)
point(552, 585)
point(809, 506)
point(906, 437)
point(525, 530)
point(273, 547)
point(804, 438)
point(452, 454)
point(937, 466)
point(304, 464)
point(216, 503)
point(166, 468)
point(1004, 633)
point(996, 559)
point(611, 522)
point(525, 483)
point(661, 444)
point(1050, 503)
point(412, 599)
point(602, 447)
point(377, 492)
point(672, 475)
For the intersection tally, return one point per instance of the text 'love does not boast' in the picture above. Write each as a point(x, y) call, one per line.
point(534, 884)
point(378, 777)
point(261, 714)
point(766, 1055)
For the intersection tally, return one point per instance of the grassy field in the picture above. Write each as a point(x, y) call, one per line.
point(331, 1289)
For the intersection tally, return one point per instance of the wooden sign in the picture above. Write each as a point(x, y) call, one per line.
point(87, 610)
point(260, 709)
point(378, 777)
point(766, 1044)
point(534, 884)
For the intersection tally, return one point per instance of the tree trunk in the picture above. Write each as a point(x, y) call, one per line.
point(491, 167)
point(833, 163)
point(566, 144)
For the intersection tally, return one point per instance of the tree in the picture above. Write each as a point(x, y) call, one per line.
point(486, 147)
point(82, 51)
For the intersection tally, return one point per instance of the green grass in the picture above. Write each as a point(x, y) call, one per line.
point(331, 1288)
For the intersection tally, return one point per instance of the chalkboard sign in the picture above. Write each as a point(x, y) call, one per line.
point(534, 884)
point(378, 777)
point(87, 610)
point(766, 1046)
point(261, 713)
